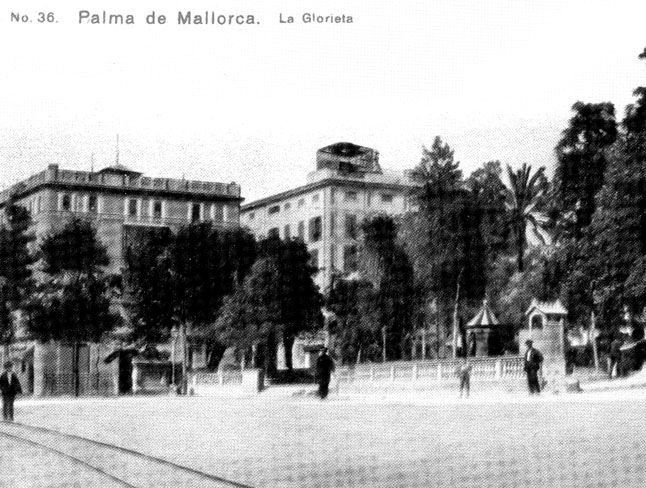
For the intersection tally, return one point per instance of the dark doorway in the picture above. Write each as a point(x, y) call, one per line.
point(125, 372)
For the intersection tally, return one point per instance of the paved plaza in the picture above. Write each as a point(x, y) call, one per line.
point(580, 440)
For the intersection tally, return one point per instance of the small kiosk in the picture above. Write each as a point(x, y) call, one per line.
point(479, 330)
point(545, 326)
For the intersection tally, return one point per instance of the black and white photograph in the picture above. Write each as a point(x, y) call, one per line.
point(322, 244)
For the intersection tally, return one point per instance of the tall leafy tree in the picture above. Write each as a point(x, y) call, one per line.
point(387, 266)
point(276, 301)
point(183, 279)
point(16, 260)
point(605, 268)
point(149, 291)
point(444, 238)
point(206, 262)
point(634, 122)
point(437, 173)
point(490, 193)
point(357, 328)
point(582, 155)
point(73, 298)
point(72, 301)
point(525, 197)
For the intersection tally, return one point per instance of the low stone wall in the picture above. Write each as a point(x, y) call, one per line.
point(206, 383)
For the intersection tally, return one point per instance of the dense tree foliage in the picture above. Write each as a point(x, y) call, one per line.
point(357, 328)
point(385, 264)
point(15, 265)
point(72, 300)
point(490, 194)
point(582, 155)
point(277, 300)
point(73, 249)
point(444, 239)
point(182, 280)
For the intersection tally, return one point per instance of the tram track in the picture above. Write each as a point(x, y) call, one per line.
point(123, 466)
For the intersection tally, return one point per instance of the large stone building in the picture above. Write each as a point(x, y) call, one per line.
point(326, 213)
point(122, 203)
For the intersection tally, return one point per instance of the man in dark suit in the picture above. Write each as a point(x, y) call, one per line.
point(324, 368)
point(9, 387)
point(533, 363)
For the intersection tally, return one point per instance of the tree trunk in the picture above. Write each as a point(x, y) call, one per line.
point(383, 344)
point(521, 248)
point(456, 330)
point(270, 354)
point(288, 344)
point(75, 368)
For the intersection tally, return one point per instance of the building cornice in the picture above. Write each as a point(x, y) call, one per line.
point(144, 186)
point(337, 181)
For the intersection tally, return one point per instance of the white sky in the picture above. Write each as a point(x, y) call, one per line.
point(495, 79)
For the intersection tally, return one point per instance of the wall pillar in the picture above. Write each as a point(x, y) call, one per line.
point(40, 365)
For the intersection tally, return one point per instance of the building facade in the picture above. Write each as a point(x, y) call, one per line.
point(122, 203)
point(326, 213)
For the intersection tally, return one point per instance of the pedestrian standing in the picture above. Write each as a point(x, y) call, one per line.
point(463, 372)
point(9, 387)
point(533, 363)
point(324, 369)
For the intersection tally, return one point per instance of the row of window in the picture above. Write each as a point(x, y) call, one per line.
point(134, 208)
point(72, 202)
point(349, 196)
point(274, 209)
point(353, 196)
point(314, 230)
point(350, 258)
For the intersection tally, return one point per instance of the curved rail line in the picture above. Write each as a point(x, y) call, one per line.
point(68, 456)
point(105, 445)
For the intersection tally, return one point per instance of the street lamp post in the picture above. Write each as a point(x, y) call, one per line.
point(173, 333)
point(184, 353)
point(596, 299)
point(383, 341)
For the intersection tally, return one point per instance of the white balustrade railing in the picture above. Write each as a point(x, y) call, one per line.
point(219, 378)
point(493, 369)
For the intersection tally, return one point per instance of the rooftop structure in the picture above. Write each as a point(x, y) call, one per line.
point(326, 212)
point(485, 317)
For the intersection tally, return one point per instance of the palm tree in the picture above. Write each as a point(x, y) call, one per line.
point(524, 198)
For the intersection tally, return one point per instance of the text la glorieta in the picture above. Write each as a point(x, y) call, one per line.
point(312, 18)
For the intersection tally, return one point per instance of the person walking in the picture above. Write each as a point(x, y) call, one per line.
point(324, 369)
point(463, 372)
point(533, 363)
point(9, 387)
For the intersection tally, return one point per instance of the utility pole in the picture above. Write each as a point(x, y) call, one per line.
point(455, 316)
point(596, 300)
point(383, 341)
point(184, 353)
